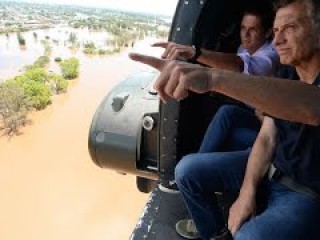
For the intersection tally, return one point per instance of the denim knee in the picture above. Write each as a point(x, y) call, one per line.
point(249, 232)
point(227, 109)
point(243, 236)
point(184, 168)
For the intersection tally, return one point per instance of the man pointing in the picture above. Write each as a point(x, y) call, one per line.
point(288, 138)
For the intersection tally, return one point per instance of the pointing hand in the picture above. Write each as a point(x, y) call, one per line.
point(178, 78)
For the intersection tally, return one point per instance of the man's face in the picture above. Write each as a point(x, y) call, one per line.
point(252, 33)
point(295, 38)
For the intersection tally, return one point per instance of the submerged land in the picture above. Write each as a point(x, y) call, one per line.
point(50, 188)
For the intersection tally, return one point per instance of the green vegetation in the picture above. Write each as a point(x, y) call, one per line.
point(58, 83)
point(13, 29)
point(21, 39)
point(44, 60)
point(125, 29)
point(90, 48)
point(14, 108)
point(32, 90)
point(58, 59)
point(41, 62)
point(102, 52)
point(47, 47)
point(18, 96)
point(70, 68)
point(72, 38)
point(34, 84)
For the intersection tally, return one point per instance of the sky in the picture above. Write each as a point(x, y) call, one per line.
point(164, 7)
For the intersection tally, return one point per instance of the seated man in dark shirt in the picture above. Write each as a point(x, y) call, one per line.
point(289, 140)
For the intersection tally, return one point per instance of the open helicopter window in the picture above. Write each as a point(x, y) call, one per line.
point(132, 132)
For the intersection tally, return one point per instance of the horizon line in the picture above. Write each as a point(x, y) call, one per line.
point(86, 6)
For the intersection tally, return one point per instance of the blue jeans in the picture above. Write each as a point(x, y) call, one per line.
point(231, 129)
point(228, 140)
point(199, 176)
point(288, 215)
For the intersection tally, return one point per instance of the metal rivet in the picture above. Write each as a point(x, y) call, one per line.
point(191, 29)
point(186, 2)
point(164, 138)
point(178, 29)
point(148, 123)
point(201, 2)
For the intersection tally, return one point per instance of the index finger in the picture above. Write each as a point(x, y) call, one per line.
point(160, 44)
point(157, 63)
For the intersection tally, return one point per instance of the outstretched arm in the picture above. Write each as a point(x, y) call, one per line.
point(227, 61)
point(286, 99)
point(258, 163)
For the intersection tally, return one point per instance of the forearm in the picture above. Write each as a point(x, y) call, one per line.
point(258, 164)
point(227, 61)
point(286, 99)
point(257, 167)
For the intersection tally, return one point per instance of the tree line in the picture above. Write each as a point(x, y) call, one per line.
point(32, 90)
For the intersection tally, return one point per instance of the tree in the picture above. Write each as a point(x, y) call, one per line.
point(57, 83)
point(14, 108)
point(34, 83)
point(21, 39)
point(70, 68)
point(72, 38)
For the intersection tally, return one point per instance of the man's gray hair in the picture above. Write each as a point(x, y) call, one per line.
point(313, 9)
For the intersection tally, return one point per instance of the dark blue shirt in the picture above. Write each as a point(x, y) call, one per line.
point(297, 153)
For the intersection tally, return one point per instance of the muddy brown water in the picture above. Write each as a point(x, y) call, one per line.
point(49, 187)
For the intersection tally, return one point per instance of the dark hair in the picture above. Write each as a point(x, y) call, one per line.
point(312, 5)
point(262, 9)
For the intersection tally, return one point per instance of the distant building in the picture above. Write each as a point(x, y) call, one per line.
point(31, 22)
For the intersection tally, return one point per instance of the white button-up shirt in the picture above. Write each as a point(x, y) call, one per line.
point(262, 62)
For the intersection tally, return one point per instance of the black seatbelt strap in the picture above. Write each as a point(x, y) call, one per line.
point(287, 181)
point(277, 176)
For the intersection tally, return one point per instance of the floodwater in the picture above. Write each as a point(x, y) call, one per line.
point(49, 187)
point(13, 58)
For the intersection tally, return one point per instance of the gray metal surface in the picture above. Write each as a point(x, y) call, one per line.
point(159, 217)
point(117, 139)
point(185, 20)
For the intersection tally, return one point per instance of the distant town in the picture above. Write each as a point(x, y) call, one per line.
point(20, 17)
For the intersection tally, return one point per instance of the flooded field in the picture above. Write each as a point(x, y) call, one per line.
point(50, 189)
point(13, 57)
